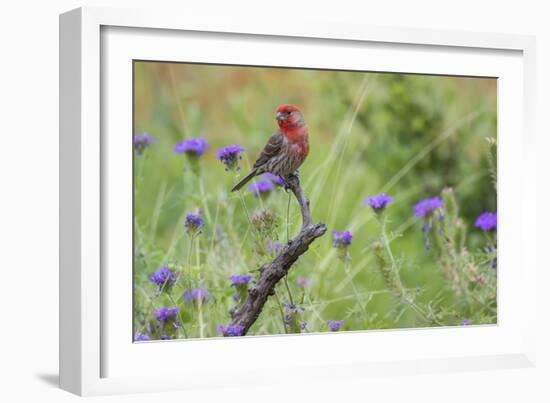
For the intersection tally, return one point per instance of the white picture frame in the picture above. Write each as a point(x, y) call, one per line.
point(97, 357)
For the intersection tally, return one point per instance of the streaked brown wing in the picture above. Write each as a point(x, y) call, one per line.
point(271, 149)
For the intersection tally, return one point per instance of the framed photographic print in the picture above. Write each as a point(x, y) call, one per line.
point(218, 205)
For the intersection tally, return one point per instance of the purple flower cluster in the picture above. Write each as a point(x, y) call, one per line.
point(239, 280)
point(192, 147)
point(335, 325)
point(274, 178)
point(142, 141)
point(260, 188)
point(487, 221)
point(163, 277)
point(292, 318)
point(341, 239)
point(141, 337)
point(194, 223)
point(465, 322)
point(425, 207)
point(196, 294)
point(231, 331)
point(379, 202)
point(230, 157)
point(164, 314)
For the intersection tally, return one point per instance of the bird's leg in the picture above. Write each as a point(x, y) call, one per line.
point(295, 174)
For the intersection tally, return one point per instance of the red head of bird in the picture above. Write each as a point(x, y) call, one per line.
point(291, 123)
point(289, 117)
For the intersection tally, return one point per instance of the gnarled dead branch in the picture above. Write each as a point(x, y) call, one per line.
point(270, 274)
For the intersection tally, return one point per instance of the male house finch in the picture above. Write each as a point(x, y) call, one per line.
point(286, 149)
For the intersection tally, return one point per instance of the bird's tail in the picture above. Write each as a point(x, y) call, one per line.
point(244, 181)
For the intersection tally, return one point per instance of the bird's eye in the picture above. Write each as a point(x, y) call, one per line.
point(288, 112)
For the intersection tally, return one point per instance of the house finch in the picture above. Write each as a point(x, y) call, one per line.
point(286, 149)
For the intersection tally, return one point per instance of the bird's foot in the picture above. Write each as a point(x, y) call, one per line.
point(286, 187)
point(295, 174)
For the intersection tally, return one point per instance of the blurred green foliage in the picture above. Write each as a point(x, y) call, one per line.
point(409, 136)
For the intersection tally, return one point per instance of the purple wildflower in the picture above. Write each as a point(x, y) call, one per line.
point(273, 247)
point(302, 282)
point(240, 280)
point(164, 314)
point(378, 202)
point(192, 147)
point(230, 156)
point(142, 141)
point(141, 337)
point(274, 178)
point(465, 322)
point(487, 221)
point(194, 223)
point(231, 331)
point(241, 287)
point(260, 188)
point(163, 277)
point(335, 325)
point(426, 206)
point(341, 239)
point(195, 295)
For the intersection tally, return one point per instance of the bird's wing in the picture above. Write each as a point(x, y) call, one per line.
point(271, 149)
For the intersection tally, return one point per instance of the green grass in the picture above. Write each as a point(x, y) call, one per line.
point(409, 136)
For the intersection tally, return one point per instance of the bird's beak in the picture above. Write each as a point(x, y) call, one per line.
point(280, 117)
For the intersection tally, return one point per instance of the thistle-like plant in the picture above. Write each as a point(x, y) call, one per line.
point(466, 275)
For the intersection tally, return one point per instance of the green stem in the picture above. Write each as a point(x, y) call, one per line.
point(203, 198)
point(315, 311)
point(189, 254)
point(214, 226)
point(237, 176)
point(386, 241)
point(396, 280)
point(281, 311)
point(179, 315)
point(137, 185)
point(139, 178)
point(199, 300)
point(347, 269)
point(244, 207)
point(288, 290)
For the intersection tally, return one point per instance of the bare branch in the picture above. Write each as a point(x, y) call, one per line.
point(270, 274)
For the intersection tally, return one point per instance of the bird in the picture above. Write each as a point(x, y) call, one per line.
point(286, 149)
